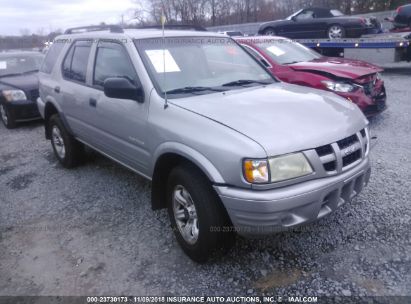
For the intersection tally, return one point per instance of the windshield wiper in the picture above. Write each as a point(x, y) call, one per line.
point(31, 71)
point(292, 62)
point(245, 82)
point(18, 74)
point(193, 90)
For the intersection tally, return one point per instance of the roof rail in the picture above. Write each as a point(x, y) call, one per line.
point(94, 28)
point(197, 28)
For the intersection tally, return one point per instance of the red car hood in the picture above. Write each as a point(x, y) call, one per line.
point(339, 67)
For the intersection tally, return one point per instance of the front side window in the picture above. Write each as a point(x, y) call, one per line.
point(336, 13)
point(305, 15)
point(76, 61)
point(112, 61)
point(207, 64)
point(17, 64)
point(288, 52)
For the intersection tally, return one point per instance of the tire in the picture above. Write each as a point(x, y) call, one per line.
point(67, 149)
point(210, 229)
point(269, 32)
point(336, 31)
point(6, 117)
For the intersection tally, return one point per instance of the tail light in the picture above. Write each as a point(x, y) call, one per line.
point(399, 9)
point(363, 21)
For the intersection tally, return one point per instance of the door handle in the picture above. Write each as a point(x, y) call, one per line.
point(93, 102)
point(57, 89)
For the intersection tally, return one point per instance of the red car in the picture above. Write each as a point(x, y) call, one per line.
point(357, 81)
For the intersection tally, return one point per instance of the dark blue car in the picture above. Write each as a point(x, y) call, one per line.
point(19, 87)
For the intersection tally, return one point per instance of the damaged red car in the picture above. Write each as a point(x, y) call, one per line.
point(356, 81)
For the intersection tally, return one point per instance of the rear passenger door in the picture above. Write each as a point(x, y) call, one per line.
point(74, 89)
point(119, 124)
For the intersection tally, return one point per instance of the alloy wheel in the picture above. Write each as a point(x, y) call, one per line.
point(185, 215)
point(335, 32)
point(58, 142)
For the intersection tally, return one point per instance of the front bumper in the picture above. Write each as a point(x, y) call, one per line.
point(23, 110)
point(370, 105)
point(255, 213)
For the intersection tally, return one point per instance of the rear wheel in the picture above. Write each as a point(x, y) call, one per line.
point(67, 149)
point(336, 31)
point(197, 216)
point(7, 118)
point(269, 32)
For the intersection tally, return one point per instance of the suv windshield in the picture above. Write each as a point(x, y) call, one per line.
point(199, 65)
point(287, 52)
point(13, 64)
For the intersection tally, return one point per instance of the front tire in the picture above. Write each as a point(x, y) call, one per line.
point(336, 31)
point(269, 32)
point(6, 117)
point(198, 218)
point(67, 149)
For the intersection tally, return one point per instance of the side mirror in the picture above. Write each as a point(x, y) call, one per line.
point(122, 88)
point(294, 18)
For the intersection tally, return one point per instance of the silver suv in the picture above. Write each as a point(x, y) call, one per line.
point(228, 148)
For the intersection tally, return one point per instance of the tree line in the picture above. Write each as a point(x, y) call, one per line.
point(223, 12)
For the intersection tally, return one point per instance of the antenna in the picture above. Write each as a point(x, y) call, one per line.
point(163, 21)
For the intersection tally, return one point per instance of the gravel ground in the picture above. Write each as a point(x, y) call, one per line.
point(91, 231)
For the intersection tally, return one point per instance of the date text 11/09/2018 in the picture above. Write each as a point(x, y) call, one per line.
point(202, 299)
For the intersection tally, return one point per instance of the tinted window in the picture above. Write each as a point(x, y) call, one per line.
point(75, 64)
point(112, 60)
point(51, 57)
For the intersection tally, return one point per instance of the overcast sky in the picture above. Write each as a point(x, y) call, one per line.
point(58, 14)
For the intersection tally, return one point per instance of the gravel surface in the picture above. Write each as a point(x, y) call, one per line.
point(91, 231)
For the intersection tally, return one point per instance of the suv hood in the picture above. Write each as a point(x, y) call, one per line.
point(339, 67)
point(282, 118)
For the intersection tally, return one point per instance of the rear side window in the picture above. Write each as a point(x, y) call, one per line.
point(51, 57)
point(76, 61)
point(112, 60)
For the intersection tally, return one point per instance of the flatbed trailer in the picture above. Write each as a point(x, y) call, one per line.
point(378, 48)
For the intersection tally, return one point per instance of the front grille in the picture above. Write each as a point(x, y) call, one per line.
point(351, 158)
point(369, 88)
point(34, 94)
point(344, 153)
point(347, 142)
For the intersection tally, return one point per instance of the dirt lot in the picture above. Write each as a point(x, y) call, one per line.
point(91, 231)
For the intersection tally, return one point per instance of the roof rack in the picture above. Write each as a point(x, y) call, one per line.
point(197, 28)
point(94, 28)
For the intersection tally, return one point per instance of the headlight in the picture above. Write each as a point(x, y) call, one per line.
point(256, 171)
point(276, 169)
point(378, 76)
point(13, 95)
point(289, 166)
point(338, 86)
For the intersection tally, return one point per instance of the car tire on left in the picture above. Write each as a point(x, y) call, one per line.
point(6, 117)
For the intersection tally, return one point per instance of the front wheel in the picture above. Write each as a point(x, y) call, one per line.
point(67, 149)
point(336, 31)
point(269, 32)
point(7, 118)
point(197, 216)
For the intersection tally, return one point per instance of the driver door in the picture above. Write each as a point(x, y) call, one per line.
point(120, 124)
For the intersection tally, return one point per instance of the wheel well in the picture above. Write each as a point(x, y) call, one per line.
point(162, 169)
point(49, 111)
